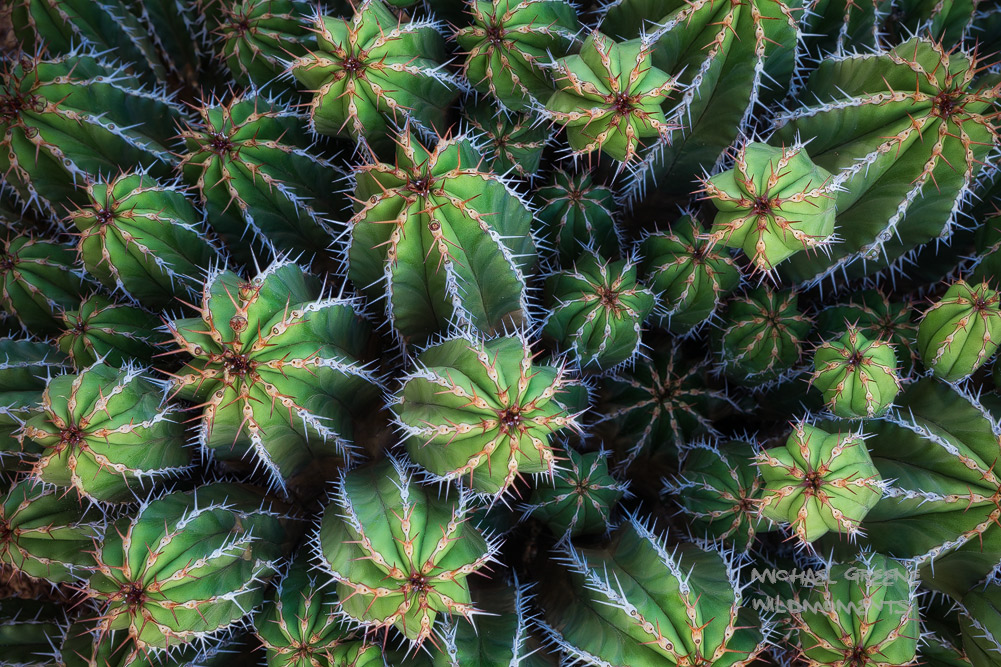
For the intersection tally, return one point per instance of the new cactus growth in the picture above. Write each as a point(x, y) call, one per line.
point(38, 281)
point(960, 331)
point(66, 120)
point(719, 490)
point(762, 335)
point(114, 333)
point(143, 238)
point(263, 189)
point(107, 433)
point(275, 370)
point(857, 376)
point(441, 240)
point(819, 482)
point(639, 603)
point(598, 311)
point(186, 567)
point(864, 614)
point(577, 214)
point(299, 627)
point(483, 412)
point(691, 273)
point(507, 47)
point(46, 534)
point(611, 98)
point(581, 498)
point(774, 203)
point(373, 71)
point(512, 142)
point(400, 553)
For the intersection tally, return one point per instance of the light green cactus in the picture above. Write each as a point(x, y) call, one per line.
point(960, 331)
point(857, 376)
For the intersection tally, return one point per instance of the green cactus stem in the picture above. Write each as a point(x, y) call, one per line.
point(513, 142)
point(399, 553)
point(483, 412)
point(857, 376)
point(980, 624)
point(578, 214)
point(114, 333)
point(960, 331)
point(38, 280)
point(108, 433)
point(819, 482)
point(876, 317)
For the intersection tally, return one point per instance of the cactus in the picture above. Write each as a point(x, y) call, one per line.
point(113, 333)
point(639, 602)
point(960, 331)
point(948, 23)
point(598, 310)
point(719, 491)
point(26, 367)
point(610, 97)
point(374, 71)
point(441, 240)
point(690, 272)
point(85, 644)
point(38, 281)
point(905, 172)
point(66, 120)
point(186, 567)
point(659, 404)
point(257, 38)
point(864, 614)
point(819, 482)
point(726, 57)
point(143, 238)
point(840, 27)
point(507, 47)
point(581, 498)
point(263, 190)
point(28, 630)
point(857, 376)
point(875, 316)
point(275, 370)
point(107, 433)
point(577, 214)
point(513, 143)
point(980, 623)
point(298, 627)
point(762, 335)
point(400, 554)
point(774, 203)
point(483, 410)
point(46, 534)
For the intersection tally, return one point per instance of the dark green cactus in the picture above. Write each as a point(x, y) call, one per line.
point(577, 214)
point(46, 534)
point(373, 71)
point(904, 172)
point(399, 553)
point(143, 238)
point(299, 627)
point(611, 98)
point(863, 614)
point(691, 273)
point(980, 623)
point(29, 630)
point(857, 376)
point(762, 335)
point(482, 412)
point(442, 240)
point(819, 482)
point(186, 567)
point(581, 498)
point(774, 203)
point(508, 47)
point(719, 490)
point(275, 370)
point(100, 329)
point(641, 603)
point(513, 143)
point(876, 317)
point(108, 434)
point(263, 190)
point(597, 312)
point(66, 120)
point(38, 280)
point(961, 331)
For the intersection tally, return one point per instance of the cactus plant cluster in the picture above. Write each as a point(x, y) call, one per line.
point(428, 333)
